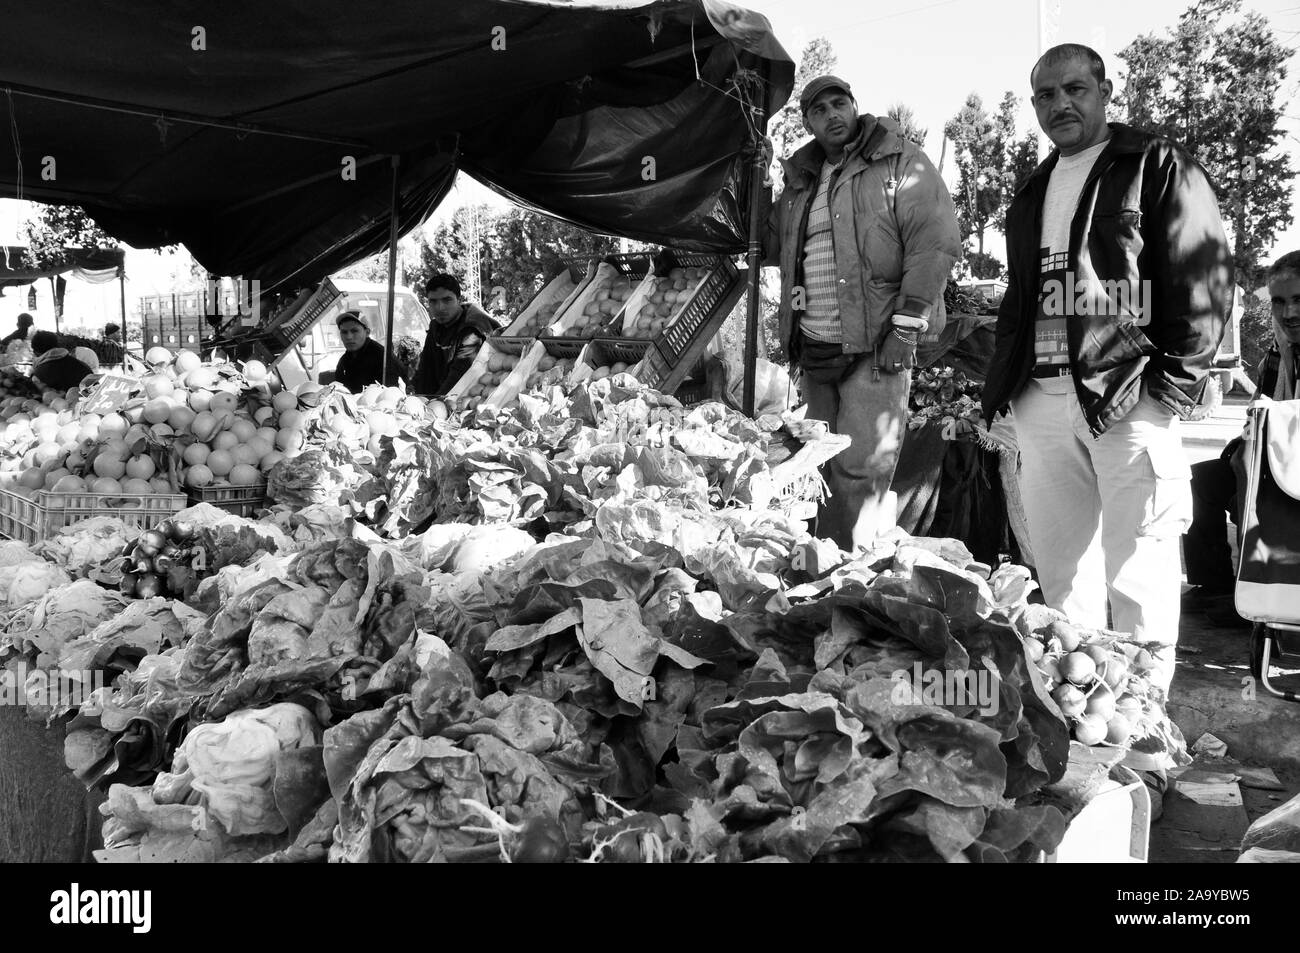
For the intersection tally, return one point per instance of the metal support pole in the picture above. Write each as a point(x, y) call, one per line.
point(755, 257)
point(392, 268)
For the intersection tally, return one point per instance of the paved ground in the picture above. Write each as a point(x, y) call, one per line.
point(1213, 692)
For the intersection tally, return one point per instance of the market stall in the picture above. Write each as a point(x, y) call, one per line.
point(557, 616)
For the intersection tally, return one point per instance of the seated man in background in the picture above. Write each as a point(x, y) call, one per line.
point(54, 366)
point(1215, 482)
point(363, 360)
point(111, 350)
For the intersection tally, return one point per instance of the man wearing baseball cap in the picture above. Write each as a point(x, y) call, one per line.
point(362, 362)
point(865, 235)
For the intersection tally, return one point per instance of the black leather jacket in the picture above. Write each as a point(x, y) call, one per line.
point(1147, 220)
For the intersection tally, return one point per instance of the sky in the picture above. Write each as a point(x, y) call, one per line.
point(929, 54)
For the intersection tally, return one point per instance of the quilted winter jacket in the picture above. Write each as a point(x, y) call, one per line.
point(1147, 220)
point(894, 230)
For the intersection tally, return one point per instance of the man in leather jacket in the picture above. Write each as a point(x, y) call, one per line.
point(1120, 285)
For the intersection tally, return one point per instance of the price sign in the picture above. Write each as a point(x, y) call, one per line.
point(109, 393)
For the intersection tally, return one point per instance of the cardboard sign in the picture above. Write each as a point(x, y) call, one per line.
point(109, 393)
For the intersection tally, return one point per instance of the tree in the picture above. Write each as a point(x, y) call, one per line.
point(55, 229)
point(984, 266)
point(1019, 157)
point(902, 114)
point(1212, 83)
point(51, 233)
point(981, 159)
point(786, 129)
point(515, 247)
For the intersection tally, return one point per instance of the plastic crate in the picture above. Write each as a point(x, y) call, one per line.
point(564, 285)
point(603, 352)
point(243, 501)
point(292, 322)
point(675, 340)
point(40, 517)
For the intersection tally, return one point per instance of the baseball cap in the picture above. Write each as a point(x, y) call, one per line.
point(818, 85)
point(351, 316)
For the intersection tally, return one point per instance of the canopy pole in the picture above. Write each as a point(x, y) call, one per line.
point(755, 255)
point(392, 268)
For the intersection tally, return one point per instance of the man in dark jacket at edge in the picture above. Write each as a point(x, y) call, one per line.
point(457, 329)
point(1215, 482)
point(865, 234)
point(1120, 285)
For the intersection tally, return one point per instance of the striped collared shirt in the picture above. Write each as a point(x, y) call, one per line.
point(821, 319)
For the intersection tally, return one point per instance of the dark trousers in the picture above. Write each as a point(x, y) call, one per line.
point(1205, 545)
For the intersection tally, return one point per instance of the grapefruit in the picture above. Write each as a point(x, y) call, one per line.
point(47, 453)
point(288, 440)
point(285, 400)
point(140, 467)
point(270, 460)
point(226, 440)
point(204, 426)
point(220, 462)
point(158, 385)
point(243, 474)
point(243, 429)
point(113, 425)
point(254, 372)
point(263, 414)
point(106, 486)
point(54, 476)
point(157, 356)
point(198, 476)
point(32, 478)
point(245, 453)
point(137, 487)
point(200, 400)
point(223, 401)
point(180, 418)
point(195, 454)
point(109, 465)
point(157, 410)
point(161, 485)
point(69, 484)
point(187, 361)
point(201, 378)
point(291, 420)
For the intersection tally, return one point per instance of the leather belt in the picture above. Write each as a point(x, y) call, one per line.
point(1051, 370)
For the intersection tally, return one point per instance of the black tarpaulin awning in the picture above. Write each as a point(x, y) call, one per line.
point(95, 265)
point(229, 126)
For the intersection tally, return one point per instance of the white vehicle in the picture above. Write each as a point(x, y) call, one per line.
point(318, 349)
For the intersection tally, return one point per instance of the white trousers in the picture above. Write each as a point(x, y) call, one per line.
point(1106, 513)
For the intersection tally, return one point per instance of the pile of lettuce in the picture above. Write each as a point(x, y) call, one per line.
point(557, 458)
point(588, 673)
